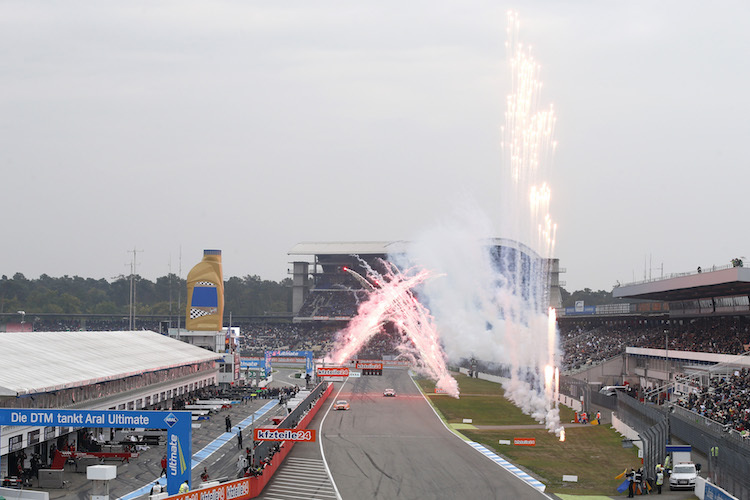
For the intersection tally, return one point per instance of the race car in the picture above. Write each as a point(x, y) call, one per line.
point(341, 404)
point(391, 393)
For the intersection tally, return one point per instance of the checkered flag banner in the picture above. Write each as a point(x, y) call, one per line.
point(197, 313)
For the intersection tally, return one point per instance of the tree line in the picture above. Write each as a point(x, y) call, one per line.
point(244, 296)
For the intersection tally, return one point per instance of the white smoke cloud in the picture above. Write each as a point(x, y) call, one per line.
point(482, 312)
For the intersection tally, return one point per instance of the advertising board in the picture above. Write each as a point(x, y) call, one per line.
point(240, 488)
point(296, 435)
point(333, 371)
point(369, 365)
point(177, 424)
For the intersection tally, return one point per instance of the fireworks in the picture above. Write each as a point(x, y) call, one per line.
point(492, 302)
point(391, 299)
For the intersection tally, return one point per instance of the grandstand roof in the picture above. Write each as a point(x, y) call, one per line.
point(378, 247)
point(690, 286)
point(38, 362)
point(346, 248)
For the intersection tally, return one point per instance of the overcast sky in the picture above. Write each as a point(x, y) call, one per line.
point(172, 127)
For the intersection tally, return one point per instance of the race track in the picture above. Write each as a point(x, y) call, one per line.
point(398, 448)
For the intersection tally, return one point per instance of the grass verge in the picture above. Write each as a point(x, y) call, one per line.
point(593, 453)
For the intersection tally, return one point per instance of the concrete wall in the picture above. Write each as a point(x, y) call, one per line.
point(624, 430)
point(608, 373)
point(568, 401)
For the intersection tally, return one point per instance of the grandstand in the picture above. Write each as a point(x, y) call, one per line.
point(682, 337)
point(322, 290)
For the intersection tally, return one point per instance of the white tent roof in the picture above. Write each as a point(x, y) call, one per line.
point(35, 362)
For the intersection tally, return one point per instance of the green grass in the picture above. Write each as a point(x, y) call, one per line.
point(593, 453)
point(466, 384)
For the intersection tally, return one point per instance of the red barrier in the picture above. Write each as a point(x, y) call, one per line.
point(251, 487)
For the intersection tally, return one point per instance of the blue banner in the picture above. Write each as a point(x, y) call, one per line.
point(308, 355)
point(713, 492)
point(289, 354)
point(570, 311)
point(253, 364)
point(177, 424)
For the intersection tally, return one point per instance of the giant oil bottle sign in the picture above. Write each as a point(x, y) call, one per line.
point(205, 284)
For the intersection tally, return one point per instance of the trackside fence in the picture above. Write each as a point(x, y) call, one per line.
point(652, 425)
point(727, 451)
point(729, 464)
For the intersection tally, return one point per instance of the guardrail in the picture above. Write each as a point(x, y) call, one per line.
point(292, 420)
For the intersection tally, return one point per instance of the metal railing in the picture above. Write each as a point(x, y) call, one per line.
point(289, 422)
point(679, 275)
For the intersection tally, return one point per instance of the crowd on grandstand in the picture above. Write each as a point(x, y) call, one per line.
point(726, 400)
point(585, 345)
point(260, 337)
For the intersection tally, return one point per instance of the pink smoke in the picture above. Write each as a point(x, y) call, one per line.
point(390, 298)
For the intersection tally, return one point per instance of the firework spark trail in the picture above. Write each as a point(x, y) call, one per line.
point(391, 299)
point(493, 303)
point(528, 141)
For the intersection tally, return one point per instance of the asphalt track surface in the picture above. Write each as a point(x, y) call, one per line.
point(398, 447)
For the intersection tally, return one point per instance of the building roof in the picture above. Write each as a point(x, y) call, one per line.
point(690, 286)
point(35, 362)
point(345, 248)
point(379, 247)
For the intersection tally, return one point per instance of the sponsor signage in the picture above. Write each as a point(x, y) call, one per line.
point(440, 391)
point(570, 311)
point(355, 374)
point(333, 371)
point(713, 492)
point(524, 441)
point(290, 354)
point(177, 423)
point(285, 359)
point(396, 362)
point(252, 363)
point(226, 491)
point(285, 353)
point(368, 365)
point(303, 435)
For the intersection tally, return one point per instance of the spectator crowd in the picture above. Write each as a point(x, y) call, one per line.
point(726, 400)
point(586, 344)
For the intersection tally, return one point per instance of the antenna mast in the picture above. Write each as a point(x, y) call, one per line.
point(131, 311)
